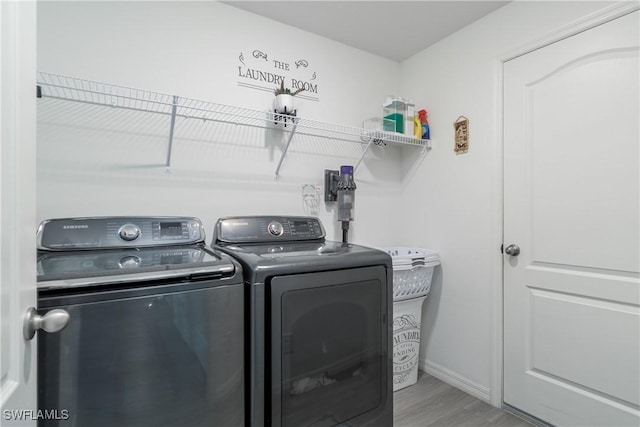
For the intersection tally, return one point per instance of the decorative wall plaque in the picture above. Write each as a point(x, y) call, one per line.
point(461, 126)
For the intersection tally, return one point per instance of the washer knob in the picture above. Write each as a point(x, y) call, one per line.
point(275, 228)
point(129, 232)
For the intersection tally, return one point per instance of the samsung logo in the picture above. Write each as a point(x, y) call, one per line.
point(71, 227)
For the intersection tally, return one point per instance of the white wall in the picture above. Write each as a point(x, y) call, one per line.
point(439, 200)
point(92, 162)
point(457, 200)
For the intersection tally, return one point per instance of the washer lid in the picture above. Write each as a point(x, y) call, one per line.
point(86, 268)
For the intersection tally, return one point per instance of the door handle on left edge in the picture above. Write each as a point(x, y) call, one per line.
point(52, 321)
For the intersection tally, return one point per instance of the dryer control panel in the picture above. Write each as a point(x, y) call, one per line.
point(118, 232)
point(256, 229)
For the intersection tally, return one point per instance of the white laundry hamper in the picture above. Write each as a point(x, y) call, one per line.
point(412, 274)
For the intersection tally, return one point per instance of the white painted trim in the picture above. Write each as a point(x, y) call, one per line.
point(497, 233)
point(587, 22)
point(456, 380)
point(18, 25)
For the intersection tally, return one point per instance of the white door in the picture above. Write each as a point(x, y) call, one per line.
point(571, 297)
point(17, 210)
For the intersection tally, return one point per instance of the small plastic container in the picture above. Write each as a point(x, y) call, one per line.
point(378, 123)
point(408, 119)
point(395, 110)
point(394, 123)
point(412, 274)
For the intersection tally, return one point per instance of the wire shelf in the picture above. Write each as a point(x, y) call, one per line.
point(96, 93)
point(103, 94)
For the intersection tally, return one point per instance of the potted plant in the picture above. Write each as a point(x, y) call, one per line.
point(283, 104)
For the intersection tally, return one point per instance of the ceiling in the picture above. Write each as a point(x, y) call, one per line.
point(391, 29)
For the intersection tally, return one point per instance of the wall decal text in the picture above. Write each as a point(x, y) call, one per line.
point(259, 72)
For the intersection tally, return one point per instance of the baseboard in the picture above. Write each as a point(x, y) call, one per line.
point(456, 380)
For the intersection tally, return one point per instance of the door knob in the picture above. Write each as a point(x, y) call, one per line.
point(52, 321)
point(513, 250)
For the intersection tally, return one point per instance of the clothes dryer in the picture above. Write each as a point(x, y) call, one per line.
point(319, 328)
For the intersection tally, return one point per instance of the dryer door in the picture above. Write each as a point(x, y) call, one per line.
point(329, 349)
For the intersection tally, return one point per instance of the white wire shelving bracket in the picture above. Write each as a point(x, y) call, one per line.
point(103, 94)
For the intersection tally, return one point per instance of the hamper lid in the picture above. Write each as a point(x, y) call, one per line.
point(407, 256)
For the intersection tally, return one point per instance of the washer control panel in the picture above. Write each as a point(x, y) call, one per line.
point(256, 229)
point(118, 232)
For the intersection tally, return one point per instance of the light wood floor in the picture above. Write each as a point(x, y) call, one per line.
point(431, 402)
